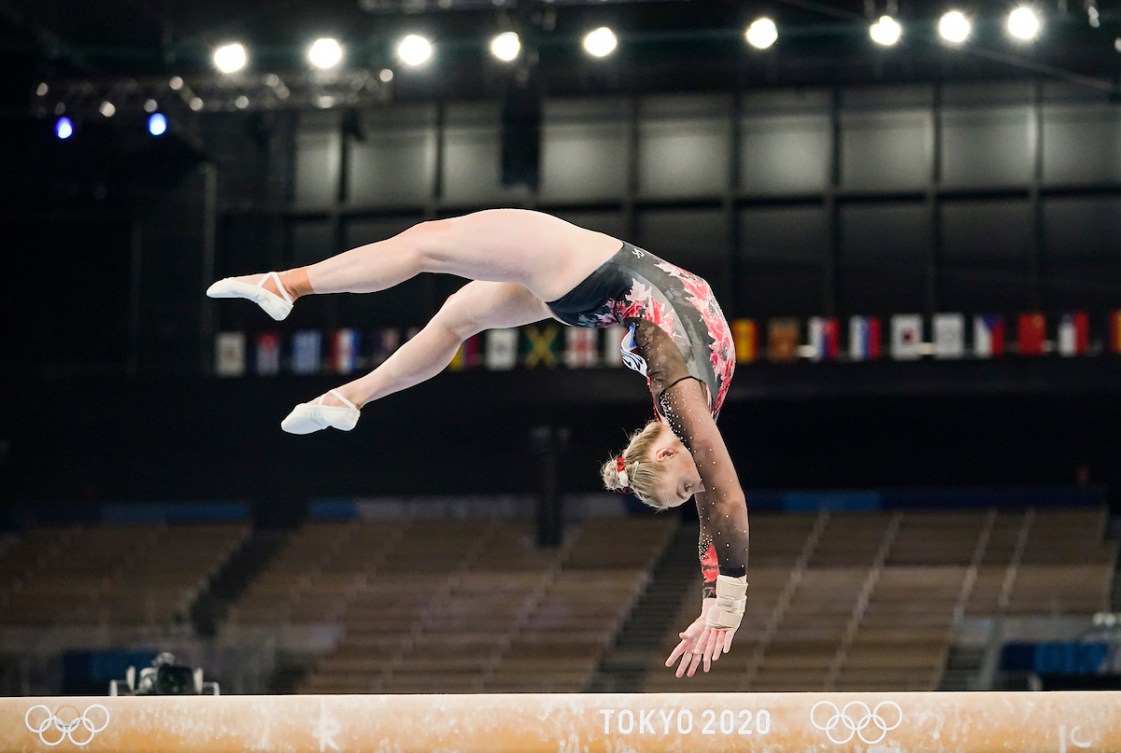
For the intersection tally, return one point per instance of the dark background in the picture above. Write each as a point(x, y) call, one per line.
point(822, 177)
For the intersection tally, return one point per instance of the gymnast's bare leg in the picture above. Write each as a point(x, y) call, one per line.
point(518, 259)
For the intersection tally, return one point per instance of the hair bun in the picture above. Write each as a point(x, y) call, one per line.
point(614, 479)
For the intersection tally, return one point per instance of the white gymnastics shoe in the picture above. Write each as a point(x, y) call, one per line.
point(308, 417)
point(276, 306)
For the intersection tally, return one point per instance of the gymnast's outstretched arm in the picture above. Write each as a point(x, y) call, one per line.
point(721, 505)
point(723, 547)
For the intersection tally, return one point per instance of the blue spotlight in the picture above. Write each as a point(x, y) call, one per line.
point(64, 128)
point(157, 124)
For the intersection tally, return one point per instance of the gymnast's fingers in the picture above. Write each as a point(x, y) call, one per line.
point(712, 647)
point(683, 667)
point(728, 641)
point(680, 649)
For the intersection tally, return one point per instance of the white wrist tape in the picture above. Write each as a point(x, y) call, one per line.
point(731, 601)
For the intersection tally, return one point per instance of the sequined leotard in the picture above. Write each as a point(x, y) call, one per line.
point(635, 285)
point(677, 334)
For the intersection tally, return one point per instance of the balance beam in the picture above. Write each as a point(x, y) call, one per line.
point(1059, 722)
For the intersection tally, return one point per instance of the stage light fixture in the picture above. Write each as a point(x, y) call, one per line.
point(762, 33)
point(954, 27)
point(600, 42)
point(325, 53)
point(506, 46)
point(157, 124)
point(1024, 23)
point(385, 75)
point(150, 105)
point(230, 58)
point(107, 109)
point(64, 128)
point(42, 89)
point(886, 31)
point(196, 104)
point(414, 50)
point(176, 83)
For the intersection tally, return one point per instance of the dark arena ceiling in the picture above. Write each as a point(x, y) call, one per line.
point(664, 45)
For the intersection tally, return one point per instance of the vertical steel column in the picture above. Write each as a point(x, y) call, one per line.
point(934, 204)
point(829, 265)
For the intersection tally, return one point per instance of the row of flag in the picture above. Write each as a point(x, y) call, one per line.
point(549, 345)
point(345, 351)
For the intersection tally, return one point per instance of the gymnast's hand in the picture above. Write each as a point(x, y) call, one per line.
point(700, 643)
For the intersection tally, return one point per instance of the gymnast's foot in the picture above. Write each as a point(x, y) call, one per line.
point(331, 410)
point(274, 292)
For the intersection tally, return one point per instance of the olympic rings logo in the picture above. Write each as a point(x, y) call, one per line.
point(79, 730)
point(855, 719)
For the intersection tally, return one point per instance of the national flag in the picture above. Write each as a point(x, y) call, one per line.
point(1031, 332)
point(949, 335)
point(988, 335)
point(386, 343)
point(1074, 334)
point(344, 350)
point(864, 338)
point(612, 351)
point(906, 337)
point(266, 359)
point(746, 338)
point(782, 339)
point(541, 345)
point(580, 347)
point(1115, 331)
point(502, 349)
point(229, 354)
point(466, 355)
point(824, 338)
point(307, 348)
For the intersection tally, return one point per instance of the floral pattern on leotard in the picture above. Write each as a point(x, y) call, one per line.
point(722, 347)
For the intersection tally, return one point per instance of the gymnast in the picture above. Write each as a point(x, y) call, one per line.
point(527, 266)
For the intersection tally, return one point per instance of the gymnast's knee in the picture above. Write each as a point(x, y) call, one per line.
point(426, 245)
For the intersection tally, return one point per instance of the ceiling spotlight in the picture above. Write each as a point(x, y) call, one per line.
point(414, 50)
point(64, 128)
point(1024, 24)
point(506, 46)
point(600, 42)
point(385, 75)
point(42, 89)
point(157, 124)
point(176, 83)
point(954, 27)
point(886, 31)
point(107, 109)
point(196, 104)
point(241, 102)
point(230, 58)
point(150, 105)
point(325, 53)
point(762, 33)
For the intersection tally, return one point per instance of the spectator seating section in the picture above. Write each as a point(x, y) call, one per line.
point(851, 601)
point(126, 575)
point(457, 605)
point(870, 601)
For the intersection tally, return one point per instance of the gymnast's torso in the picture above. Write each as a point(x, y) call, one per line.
point(635, 287)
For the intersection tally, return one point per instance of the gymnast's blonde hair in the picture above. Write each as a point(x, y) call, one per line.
point(641, 474)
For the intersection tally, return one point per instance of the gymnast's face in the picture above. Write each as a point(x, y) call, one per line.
point(680, 479)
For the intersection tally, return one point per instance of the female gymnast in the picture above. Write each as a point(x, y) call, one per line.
point(526, 266)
